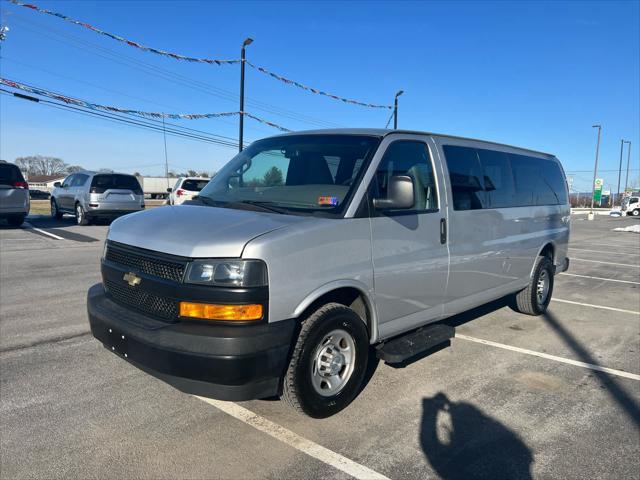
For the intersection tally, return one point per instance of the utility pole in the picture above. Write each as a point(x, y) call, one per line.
point(619, 171)
point(626, 179)
point(247, 41)
point(595, 172)
point(395, 109)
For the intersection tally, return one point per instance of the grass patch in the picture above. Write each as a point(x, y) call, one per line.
point(40, 207)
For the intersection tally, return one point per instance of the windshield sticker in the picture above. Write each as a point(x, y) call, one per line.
point(327, 200)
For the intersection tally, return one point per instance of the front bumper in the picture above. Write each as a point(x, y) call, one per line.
point(227, 362)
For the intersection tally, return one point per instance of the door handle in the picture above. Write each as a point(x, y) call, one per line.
point(443, 231)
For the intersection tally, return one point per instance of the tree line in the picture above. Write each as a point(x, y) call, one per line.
point(44, 165)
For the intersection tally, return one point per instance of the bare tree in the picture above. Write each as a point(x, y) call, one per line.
point(74, 169)
point(41, 165)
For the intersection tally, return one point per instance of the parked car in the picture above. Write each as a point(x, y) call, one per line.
point(39, 195)
point(307, 249)
point(89, 195)
point(14, 194)
point(631, 206)
point(185, 189)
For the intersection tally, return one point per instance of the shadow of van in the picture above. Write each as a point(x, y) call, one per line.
point(462, 442)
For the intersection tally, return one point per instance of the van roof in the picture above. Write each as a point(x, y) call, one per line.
point(382, 132)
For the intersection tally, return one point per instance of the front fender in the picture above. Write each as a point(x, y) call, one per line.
point(365, 291)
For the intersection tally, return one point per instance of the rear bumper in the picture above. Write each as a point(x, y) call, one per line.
point(226, 362)
point(109, 212)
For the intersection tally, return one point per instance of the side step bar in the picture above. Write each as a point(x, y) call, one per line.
point(402, 348)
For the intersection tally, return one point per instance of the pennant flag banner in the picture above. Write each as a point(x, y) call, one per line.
point(107, 108)
point(175, 56)
point(314, 90)
point(124, 40)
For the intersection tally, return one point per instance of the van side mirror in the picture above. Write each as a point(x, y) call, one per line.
point(400, 194)
point(169, 190)
point(57, 184)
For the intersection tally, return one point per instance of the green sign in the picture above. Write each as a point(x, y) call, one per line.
point(597, 189)
point(597, 195)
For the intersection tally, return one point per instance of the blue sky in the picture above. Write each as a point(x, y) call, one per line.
point(533, 74)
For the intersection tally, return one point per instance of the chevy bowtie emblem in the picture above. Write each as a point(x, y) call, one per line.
point(132, 279)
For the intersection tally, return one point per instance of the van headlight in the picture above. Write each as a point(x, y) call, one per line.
point(229, 273)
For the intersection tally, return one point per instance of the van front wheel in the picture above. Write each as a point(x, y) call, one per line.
point(329, 362)
point(535, 299)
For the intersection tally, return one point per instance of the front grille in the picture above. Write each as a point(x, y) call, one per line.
point(142, 301)
point(144, 261)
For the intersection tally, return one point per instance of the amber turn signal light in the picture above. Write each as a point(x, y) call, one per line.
point(209, 311)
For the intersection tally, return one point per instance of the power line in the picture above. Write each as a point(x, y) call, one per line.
point(174, 77)
point(144, 124)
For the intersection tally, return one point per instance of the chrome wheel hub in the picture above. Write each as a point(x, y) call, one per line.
point(542, 288)
point(333, 363)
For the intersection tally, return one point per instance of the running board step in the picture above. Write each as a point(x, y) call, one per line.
point(399, 349)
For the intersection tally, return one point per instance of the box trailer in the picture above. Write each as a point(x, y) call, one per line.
point(156, 187)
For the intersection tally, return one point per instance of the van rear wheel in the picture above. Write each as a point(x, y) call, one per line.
point(329, 362)
point(535, 299)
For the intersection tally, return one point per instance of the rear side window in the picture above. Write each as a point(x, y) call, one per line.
point(194, 185)
point(102, 183)
point(498, 178)
point(10, 174)
point(554, 180)
point(410, 158)
point(482, 178)
point(538, 181)
point(467, 178)
point(79, 180)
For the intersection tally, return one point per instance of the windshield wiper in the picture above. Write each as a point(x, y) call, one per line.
point(266, 206)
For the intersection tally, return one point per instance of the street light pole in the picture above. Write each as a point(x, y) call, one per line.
point(395, 109)
point(619, 171)
point(247, 41)
point(595, 170)
point(626, 179)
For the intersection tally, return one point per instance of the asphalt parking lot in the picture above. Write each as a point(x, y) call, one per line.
point(514, 396)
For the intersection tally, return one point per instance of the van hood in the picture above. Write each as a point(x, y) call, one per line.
point(197, 231)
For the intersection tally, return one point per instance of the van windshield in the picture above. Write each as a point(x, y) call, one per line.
point(296, 173)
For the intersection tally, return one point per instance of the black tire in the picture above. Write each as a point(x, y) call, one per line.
point(298, 388)
point(528, 301)
point(636, 212)
point(16, 220)
point(81, 216)
point(55, 211)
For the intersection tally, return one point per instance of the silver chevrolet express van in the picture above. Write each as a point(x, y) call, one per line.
point(309, 253)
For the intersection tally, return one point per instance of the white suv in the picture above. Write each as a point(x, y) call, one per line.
point(185, 189)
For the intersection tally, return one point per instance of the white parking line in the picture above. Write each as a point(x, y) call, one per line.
point(590, 366)
point(629, 245)
point(52, 235)
point(607, 253)
point(599, 278)
point(633, 312)
point(573, 259)
point(294, 440)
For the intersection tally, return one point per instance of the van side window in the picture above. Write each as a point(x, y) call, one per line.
point(407, 157)
point(467, 178)
point(498, 179)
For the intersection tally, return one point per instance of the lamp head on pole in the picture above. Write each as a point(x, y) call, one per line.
point(596, 126)
point(400, 92)
point(247, 41)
